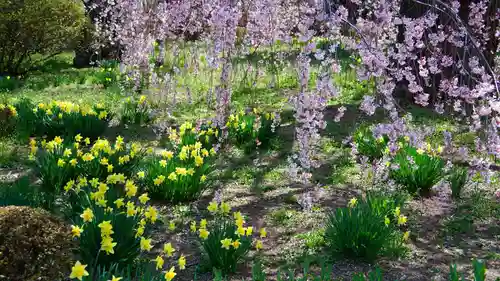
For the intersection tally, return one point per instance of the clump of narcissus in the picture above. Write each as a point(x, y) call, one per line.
point(34, 245)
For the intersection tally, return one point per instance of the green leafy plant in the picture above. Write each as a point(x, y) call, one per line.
point(417, 171)
point(7, 119)
point(365, 230)
point(20, 193)
point(225, 242)
point(221, 258)
point(367, 145)
point(57, 161)
point(108, 74)
point(60, 118)
point(252, 130)
point(458, 179)
point(188, 134)
point(180, 175)
point(136, 111)
point(110, 221)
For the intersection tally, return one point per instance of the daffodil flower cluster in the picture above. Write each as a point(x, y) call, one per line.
point(57, 159)
point(227, 238)
point(9, 110)
point(168, 253)
point(179, 175)
point(62, 118)
point(187, 134)
point(114, 219)
point(252, 130)
point(136, 111)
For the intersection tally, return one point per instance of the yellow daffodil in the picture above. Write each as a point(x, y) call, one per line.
point(225, 208)
point(151, 214)
point(420, 151)
point(87, 157)
point(115, 278)
point(106, 228)
point(263, 233)
point(204, 233)
point(144, 198)
point(159, 180)
point(139, 232)
point(73, 162)
point(163, 163)
point(182, 262)
point(171, 226)
point(168, 249)
point(198, 161)
point(131, 211)
point(249, 231)
point(240, 231)
point(397, 211)
point(145, 244)
point(387, 221)
point(203, 178)
point(402, 220)
point(352, 202)
point(61, 163)
point(167, 154)
point(406, 235)
point(76, 231)
point(258, 245)
point(203, 223)
point(87, 215)
point(107, 245)
point(78, 271)
point(192, 227)
point(159, 262)
point(141, 174)
point(119, 202)
point(172, 176)
point(181, 171)
point(69, 185)
point(169, 275)
point(130, 189)
point(236, 244)
point(212, 207)
point(226, 243)
point(67, 152)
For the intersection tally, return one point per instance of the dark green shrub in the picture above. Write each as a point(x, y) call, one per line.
point(367, 229)
point(33, 30)
point(417, 171)
point(458, 178)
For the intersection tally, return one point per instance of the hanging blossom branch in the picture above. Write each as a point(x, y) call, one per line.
point(433, 58)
